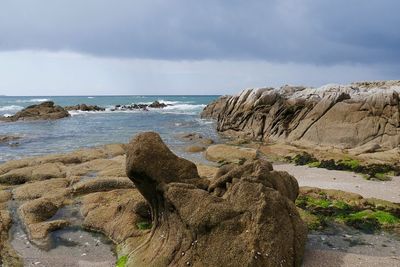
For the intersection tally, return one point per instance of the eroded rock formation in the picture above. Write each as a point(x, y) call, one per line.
point(43, 111)
point(363, 115)
point(244, 216)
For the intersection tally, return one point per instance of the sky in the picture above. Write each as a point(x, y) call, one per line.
point(99, 47)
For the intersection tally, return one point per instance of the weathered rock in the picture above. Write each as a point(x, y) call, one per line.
point(206, 171)
point(8, 257)
point(227, 153)
point(101, 184)
point(106, 212)
point(95, 166)
point(34, 215)
point(346, 117)
point(38, 172)
point(43, 111)
point(78, 156)
point(195, 149)
point(57, 186)
point(214, 108)
point(197, 141)
point(84, 107)
point(251, 220)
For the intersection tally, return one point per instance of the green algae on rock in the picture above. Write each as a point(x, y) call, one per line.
point(321, 206)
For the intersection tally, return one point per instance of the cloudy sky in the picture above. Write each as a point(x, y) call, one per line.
point(85, 47)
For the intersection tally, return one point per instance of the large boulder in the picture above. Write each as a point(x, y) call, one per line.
point(245, 217)
point(345, 117)
point(43, 111)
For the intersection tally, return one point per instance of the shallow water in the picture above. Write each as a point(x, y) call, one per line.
point(346, 239)
point(70, 246)
point(88, 129)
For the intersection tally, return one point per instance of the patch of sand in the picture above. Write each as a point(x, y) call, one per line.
point(343, 180)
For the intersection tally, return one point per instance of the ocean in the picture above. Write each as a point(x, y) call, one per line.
point(89, 129)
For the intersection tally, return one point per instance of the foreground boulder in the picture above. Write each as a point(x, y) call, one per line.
point(43, 111)
point(360, 115)
point(244, 216)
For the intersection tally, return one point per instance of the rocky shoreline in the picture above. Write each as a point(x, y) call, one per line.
point(281, 190)
point(95, 181)
point(360, 119)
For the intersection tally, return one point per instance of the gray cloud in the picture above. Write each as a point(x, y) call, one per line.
point(305, 31)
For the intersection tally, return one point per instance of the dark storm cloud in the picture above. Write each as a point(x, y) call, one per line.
point(305, 31)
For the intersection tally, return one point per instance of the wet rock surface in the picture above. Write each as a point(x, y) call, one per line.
point(85, 107)
point(363, 117)
point(191, 221)
point(40, 197)
point(155, 104)
point(43, 111)
point(171, 212)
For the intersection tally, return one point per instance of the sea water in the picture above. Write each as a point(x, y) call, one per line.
point(89, 129)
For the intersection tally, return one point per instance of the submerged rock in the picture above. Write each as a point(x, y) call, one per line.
point(245, 217)
point(8, 138)
point(43, 111)
point(364, 115)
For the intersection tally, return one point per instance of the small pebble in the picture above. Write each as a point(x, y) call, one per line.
point(83, 254)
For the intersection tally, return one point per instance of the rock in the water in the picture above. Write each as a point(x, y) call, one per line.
point(43, 111)
point(8, 138)
point(35, 214)
point(84, 107)
point(157, 104)
point(246, 217)
point(344, 117)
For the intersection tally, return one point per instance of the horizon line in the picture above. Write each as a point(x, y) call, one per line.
point(102, 95)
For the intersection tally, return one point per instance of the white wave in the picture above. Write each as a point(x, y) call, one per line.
point(161, 101)
point(32, 100)
point(90, 97)
point(11, 108)
point(175, 109)
point(205, 121)
point(185, 107)
point(7, 115)
point(107, 111)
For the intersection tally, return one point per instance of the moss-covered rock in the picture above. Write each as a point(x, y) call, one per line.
point(382, 172)
point(320, 206)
